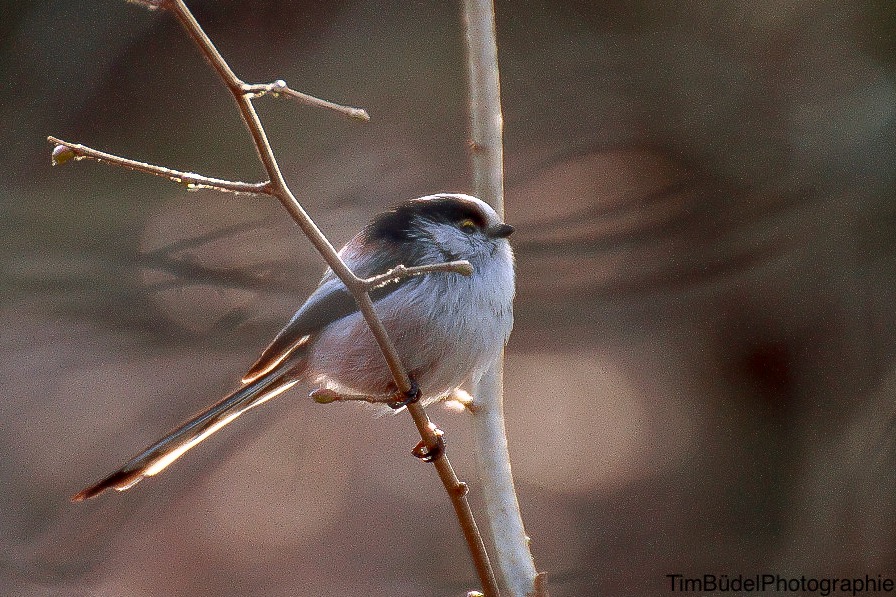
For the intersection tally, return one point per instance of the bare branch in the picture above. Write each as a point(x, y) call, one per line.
point(251, 90)
point(430, 447)
point(400, 272)
point(279, 87)
point(65, 151)
point(149, 4)
point(328, 396)
point(516, 567)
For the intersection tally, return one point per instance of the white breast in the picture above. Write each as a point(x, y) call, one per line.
point(446, 328)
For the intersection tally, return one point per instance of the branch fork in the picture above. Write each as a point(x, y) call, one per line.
point(431, 442)
point(279, 87)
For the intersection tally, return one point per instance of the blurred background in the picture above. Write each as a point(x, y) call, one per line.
point(701, 378)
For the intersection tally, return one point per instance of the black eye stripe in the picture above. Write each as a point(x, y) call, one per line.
point(397, 224)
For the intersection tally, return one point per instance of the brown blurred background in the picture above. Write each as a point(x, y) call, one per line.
point(701, 378)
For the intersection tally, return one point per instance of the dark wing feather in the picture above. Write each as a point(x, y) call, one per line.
point(332, 300)
point(158, 456)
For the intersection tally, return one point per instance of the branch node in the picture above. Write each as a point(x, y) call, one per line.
point(279, 88)
point(430, 453)
point(541, 585)
point(62, 154)
point(325, 396)
point(410, 397)
point(328, 396)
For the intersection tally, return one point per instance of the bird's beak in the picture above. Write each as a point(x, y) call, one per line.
point(501, 230)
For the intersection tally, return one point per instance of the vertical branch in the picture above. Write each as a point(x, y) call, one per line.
point(516, 568)
point(487, 125)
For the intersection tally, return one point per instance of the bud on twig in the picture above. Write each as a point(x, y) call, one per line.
point(62, 154)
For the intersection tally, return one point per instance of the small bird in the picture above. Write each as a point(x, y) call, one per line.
point(446, 327)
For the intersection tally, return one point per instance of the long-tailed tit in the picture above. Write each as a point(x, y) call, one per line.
point(446, 327)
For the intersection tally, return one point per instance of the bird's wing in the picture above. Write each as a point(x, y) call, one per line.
point(158, 456)
point(330, 302)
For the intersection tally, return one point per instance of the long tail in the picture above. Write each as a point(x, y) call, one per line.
point(158, 456)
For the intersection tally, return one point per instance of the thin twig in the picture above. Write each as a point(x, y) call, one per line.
point(279, 87)
point(516, 567)
point(399, 272)
point(328, 396)
point(277, 187)
point(65, 151)
point(356, 286)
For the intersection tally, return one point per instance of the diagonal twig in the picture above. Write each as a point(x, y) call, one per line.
point(453, 486)
point(355, 285)
point(429, 448)
point(65, 151)
point(279, 87)
point(399, 272)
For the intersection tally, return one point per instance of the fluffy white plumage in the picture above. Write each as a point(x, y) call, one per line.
point(445, 326)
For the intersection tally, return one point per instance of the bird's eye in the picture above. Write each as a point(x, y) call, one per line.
point(468, 226)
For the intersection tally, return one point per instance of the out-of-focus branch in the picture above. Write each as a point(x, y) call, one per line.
point(430, 448)
point(486, 121)
point(149, 4)
point(328, 396)
point(517, 575)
